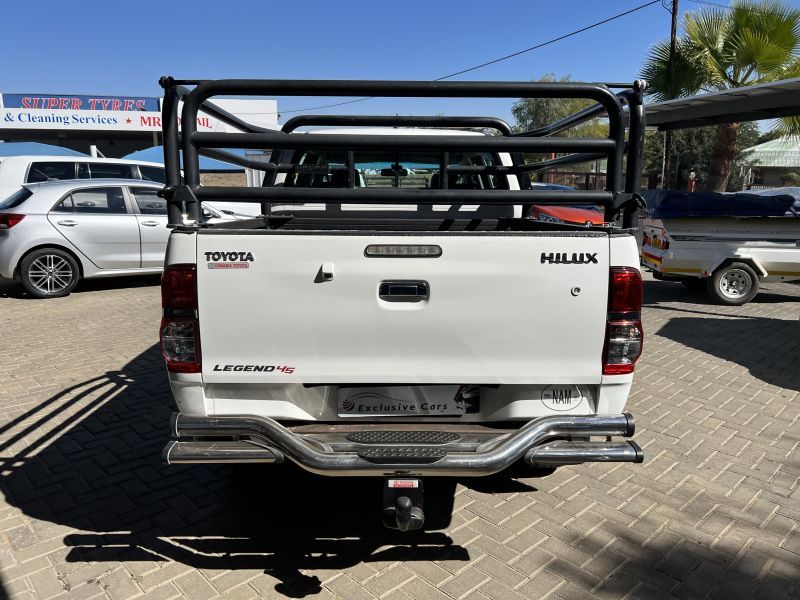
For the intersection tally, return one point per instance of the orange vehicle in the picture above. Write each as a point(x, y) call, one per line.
point(579, 215)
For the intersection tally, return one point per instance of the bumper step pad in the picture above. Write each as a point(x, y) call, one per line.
point(401, 454)
point(403, 437)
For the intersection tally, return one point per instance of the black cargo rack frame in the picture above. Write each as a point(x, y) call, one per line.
point(184, 194)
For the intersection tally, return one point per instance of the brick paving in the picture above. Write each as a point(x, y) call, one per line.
point(89, 511)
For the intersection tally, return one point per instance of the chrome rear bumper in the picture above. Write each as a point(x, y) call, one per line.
point(547, 441)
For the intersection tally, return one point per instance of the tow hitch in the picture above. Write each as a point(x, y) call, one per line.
point(402, 504)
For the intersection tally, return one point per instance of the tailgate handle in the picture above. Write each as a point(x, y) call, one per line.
point(404, 291)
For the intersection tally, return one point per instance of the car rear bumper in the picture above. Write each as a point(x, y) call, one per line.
point(391, 449)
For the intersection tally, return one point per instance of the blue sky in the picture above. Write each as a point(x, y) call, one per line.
point(103, 47)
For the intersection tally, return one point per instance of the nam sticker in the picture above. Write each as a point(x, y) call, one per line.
point(561, 397)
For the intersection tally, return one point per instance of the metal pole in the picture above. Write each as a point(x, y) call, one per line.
point(170, 139)
point(673, 40)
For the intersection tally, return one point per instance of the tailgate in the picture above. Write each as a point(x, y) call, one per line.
point(498, 308)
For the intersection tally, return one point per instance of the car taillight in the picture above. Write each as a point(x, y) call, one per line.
point(624, 335)
point(8, 220)
point(179, 288)
point(180, 328)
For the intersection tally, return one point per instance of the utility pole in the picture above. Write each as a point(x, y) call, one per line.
point(665, 164)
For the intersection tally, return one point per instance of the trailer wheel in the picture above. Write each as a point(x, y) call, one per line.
point(733, 284)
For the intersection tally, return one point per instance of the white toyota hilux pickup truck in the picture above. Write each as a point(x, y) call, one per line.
point(393, 311)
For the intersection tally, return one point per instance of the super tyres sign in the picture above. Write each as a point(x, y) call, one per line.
point(115, 113)
point(80, 102)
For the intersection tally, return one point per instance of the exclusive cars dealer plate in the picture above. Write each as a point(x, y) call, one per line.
point(396, 401)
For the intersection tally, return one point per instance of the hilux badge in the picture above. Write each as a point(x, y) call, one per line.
point(563, 258)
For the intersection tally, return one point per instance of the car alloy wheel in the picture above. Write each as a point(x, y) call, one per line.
point(50, 274)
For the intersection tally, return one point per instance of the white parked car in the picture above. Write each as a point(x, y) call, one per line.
point(53, 234)
point(18, 170)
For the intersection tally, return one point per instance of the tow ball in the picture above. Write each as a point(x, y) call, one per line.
point(402, 503)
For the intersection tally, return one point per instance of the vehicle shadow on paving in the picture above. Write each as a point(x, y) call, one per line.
point(98, 469)
point(12, 289)
point(117, 283)
point(658, 292)
point(768, 348)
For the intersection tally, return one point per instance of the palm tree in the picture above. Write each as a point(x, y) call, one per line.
point(721, 48)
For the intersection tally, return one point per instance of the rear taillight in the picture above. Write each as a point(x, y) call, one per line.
point(180, 328)
point(624, 336)
point(179, 288)
point(8, 220)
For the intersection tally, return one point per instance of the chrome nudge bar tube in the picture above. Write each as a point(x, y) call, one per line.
point(544, 441)
point(185, 194)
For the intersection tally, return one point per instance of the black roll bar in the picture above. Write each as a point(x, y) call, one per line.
point(291, 195)
point(634, 98)
point(172, 150)
point(234, 159)
point(184, 202)
point(396, 121)
point(322, 141)
point(559, 161)
point(401, 89)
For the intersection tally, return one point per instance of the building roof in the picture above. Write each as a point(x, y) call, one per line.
point(35, 148)
point(781, 152)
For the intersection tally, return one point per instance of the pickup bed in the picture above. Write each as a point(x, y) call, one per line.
point(426, 326)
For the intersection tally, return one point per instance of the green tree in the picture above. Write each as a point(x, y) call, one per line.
point(532, 113)
point(752, 42)
point(692, 150)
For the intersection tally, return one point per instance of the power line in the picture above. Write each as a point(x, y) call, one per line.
point(496, 60)
point(552, 41)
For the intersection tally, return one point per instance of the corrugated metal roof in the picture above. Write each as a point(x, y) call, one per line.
point(781, 152)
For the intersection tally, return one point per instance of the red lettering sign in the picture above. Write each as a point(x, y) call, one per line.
point(145, 121)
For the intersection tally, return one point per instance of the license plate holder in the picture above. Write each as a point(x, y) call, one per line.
point(399, 401)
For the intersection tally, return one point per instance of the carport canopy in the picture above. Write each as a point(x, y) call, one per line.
point(750, 103)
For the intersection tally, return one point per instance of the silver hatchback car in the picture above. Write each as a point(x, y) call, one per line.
point(53, 234)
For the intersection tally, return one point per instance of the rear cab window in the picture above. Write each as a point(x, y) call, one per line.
point(392, 169)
